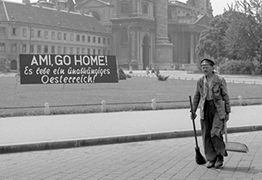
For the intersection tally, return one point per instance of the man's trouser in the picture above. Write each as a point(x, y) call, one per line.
point(212, 127)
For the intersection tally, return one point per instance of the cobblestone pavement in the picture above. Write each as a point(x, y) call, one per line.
point(162, 160)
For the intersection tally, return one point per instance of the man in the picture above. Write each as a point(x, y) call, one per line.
point(211, 93)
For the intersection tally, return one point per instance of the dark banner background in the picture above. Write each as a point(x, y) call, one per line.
point(67, 69)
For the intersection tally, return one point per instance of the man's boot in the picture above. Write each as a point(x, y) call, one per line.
point(219, 161)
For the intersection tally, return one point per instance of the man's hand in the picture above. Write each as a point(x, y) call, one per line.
point(227, 117)
point(193, 115)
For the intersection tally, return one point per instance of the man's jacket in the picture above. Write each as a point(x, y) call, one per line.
point(219, 94)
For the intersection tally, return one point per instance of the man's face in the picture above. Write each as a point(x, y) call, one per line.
point(207, 69)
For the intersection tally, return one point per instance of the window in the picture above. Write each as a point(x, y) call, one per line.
point(77, 50)
point(32, 48)
point(104, 52)
point(108, 41)
point(2, 47)
point(94, 51)
point(46, 34)
point(46, 49)
point(71, 50)
point(53, 35)
point(14, 32)
point(2, 30)
point(24, 32)
point(125, 7)
point(99, 52)
point(53, 49)
point(39, 49)
point(104, 40)
point(99, 40)
point(88, 51)
point(108, 52)
point(145, 7)
point(65, 50)
point(83, 50)
point(78, 38)
point(39, 33)
point(88, 38)
point(65, 36)
point(83, 38)
point(94, 39)
point(32, 32)
point(71, 37)
point(59, 50)
point(14, 47)
point(24, 46)
point(13, 65)
point(59, 36)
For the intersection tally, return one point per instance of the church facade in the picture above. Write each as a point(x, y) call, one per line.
point(152, 33)
point(140, 33)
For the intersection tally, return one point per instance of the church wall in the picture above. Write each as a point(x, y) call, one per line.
point(183, 42)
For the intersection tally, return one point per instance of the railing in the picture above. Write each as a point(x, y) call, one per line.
point(154, 105)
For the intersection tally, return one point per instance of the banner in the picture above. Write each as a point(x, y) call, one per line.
point(67, 69)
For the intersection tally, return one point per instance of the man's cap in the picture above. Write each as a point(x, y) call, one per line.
point(207, 61)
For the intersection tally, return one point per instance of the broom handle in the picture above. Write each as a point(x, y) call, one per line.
point(225, 129)
point(193, 121)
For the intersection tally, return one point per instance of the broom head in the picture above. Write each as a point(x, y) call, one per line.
point(199, 158)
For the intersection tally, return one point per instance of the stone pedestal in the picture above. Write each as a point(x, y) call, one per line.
point(164, 56)
point(164, 49)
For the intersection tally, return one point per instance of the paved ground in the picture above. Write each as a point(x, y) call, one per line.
point(146, 160)
point(166, 150)
point(58, 131)
point(161, 160)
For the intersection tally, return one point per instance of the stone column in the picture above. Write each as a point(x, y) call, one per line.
point(132, 45)
point(161, 22)
point(164, 49)
point(192, 47)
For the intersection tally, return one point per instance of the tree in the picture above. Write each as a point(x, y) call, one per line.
point(236, 34)
point(211, 40)
point(241, 37)
point(244, 35)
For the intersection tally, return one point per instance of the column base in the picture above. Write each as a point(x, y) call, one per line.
point(164, 56)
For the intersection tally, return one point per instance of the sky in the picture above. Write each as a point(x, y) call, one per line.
point(218, 5)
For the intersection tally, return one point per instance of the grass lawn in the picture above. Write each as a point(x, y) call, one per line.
point(134, 93)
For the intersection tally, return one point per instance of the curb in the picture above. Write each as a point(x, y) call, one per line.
point(112, 140)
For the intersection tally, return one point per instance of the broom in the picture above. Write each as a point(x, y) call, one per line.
point(199, 158)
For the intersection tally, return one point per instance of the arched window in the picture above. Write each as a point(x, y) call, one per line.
point(13, 65)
